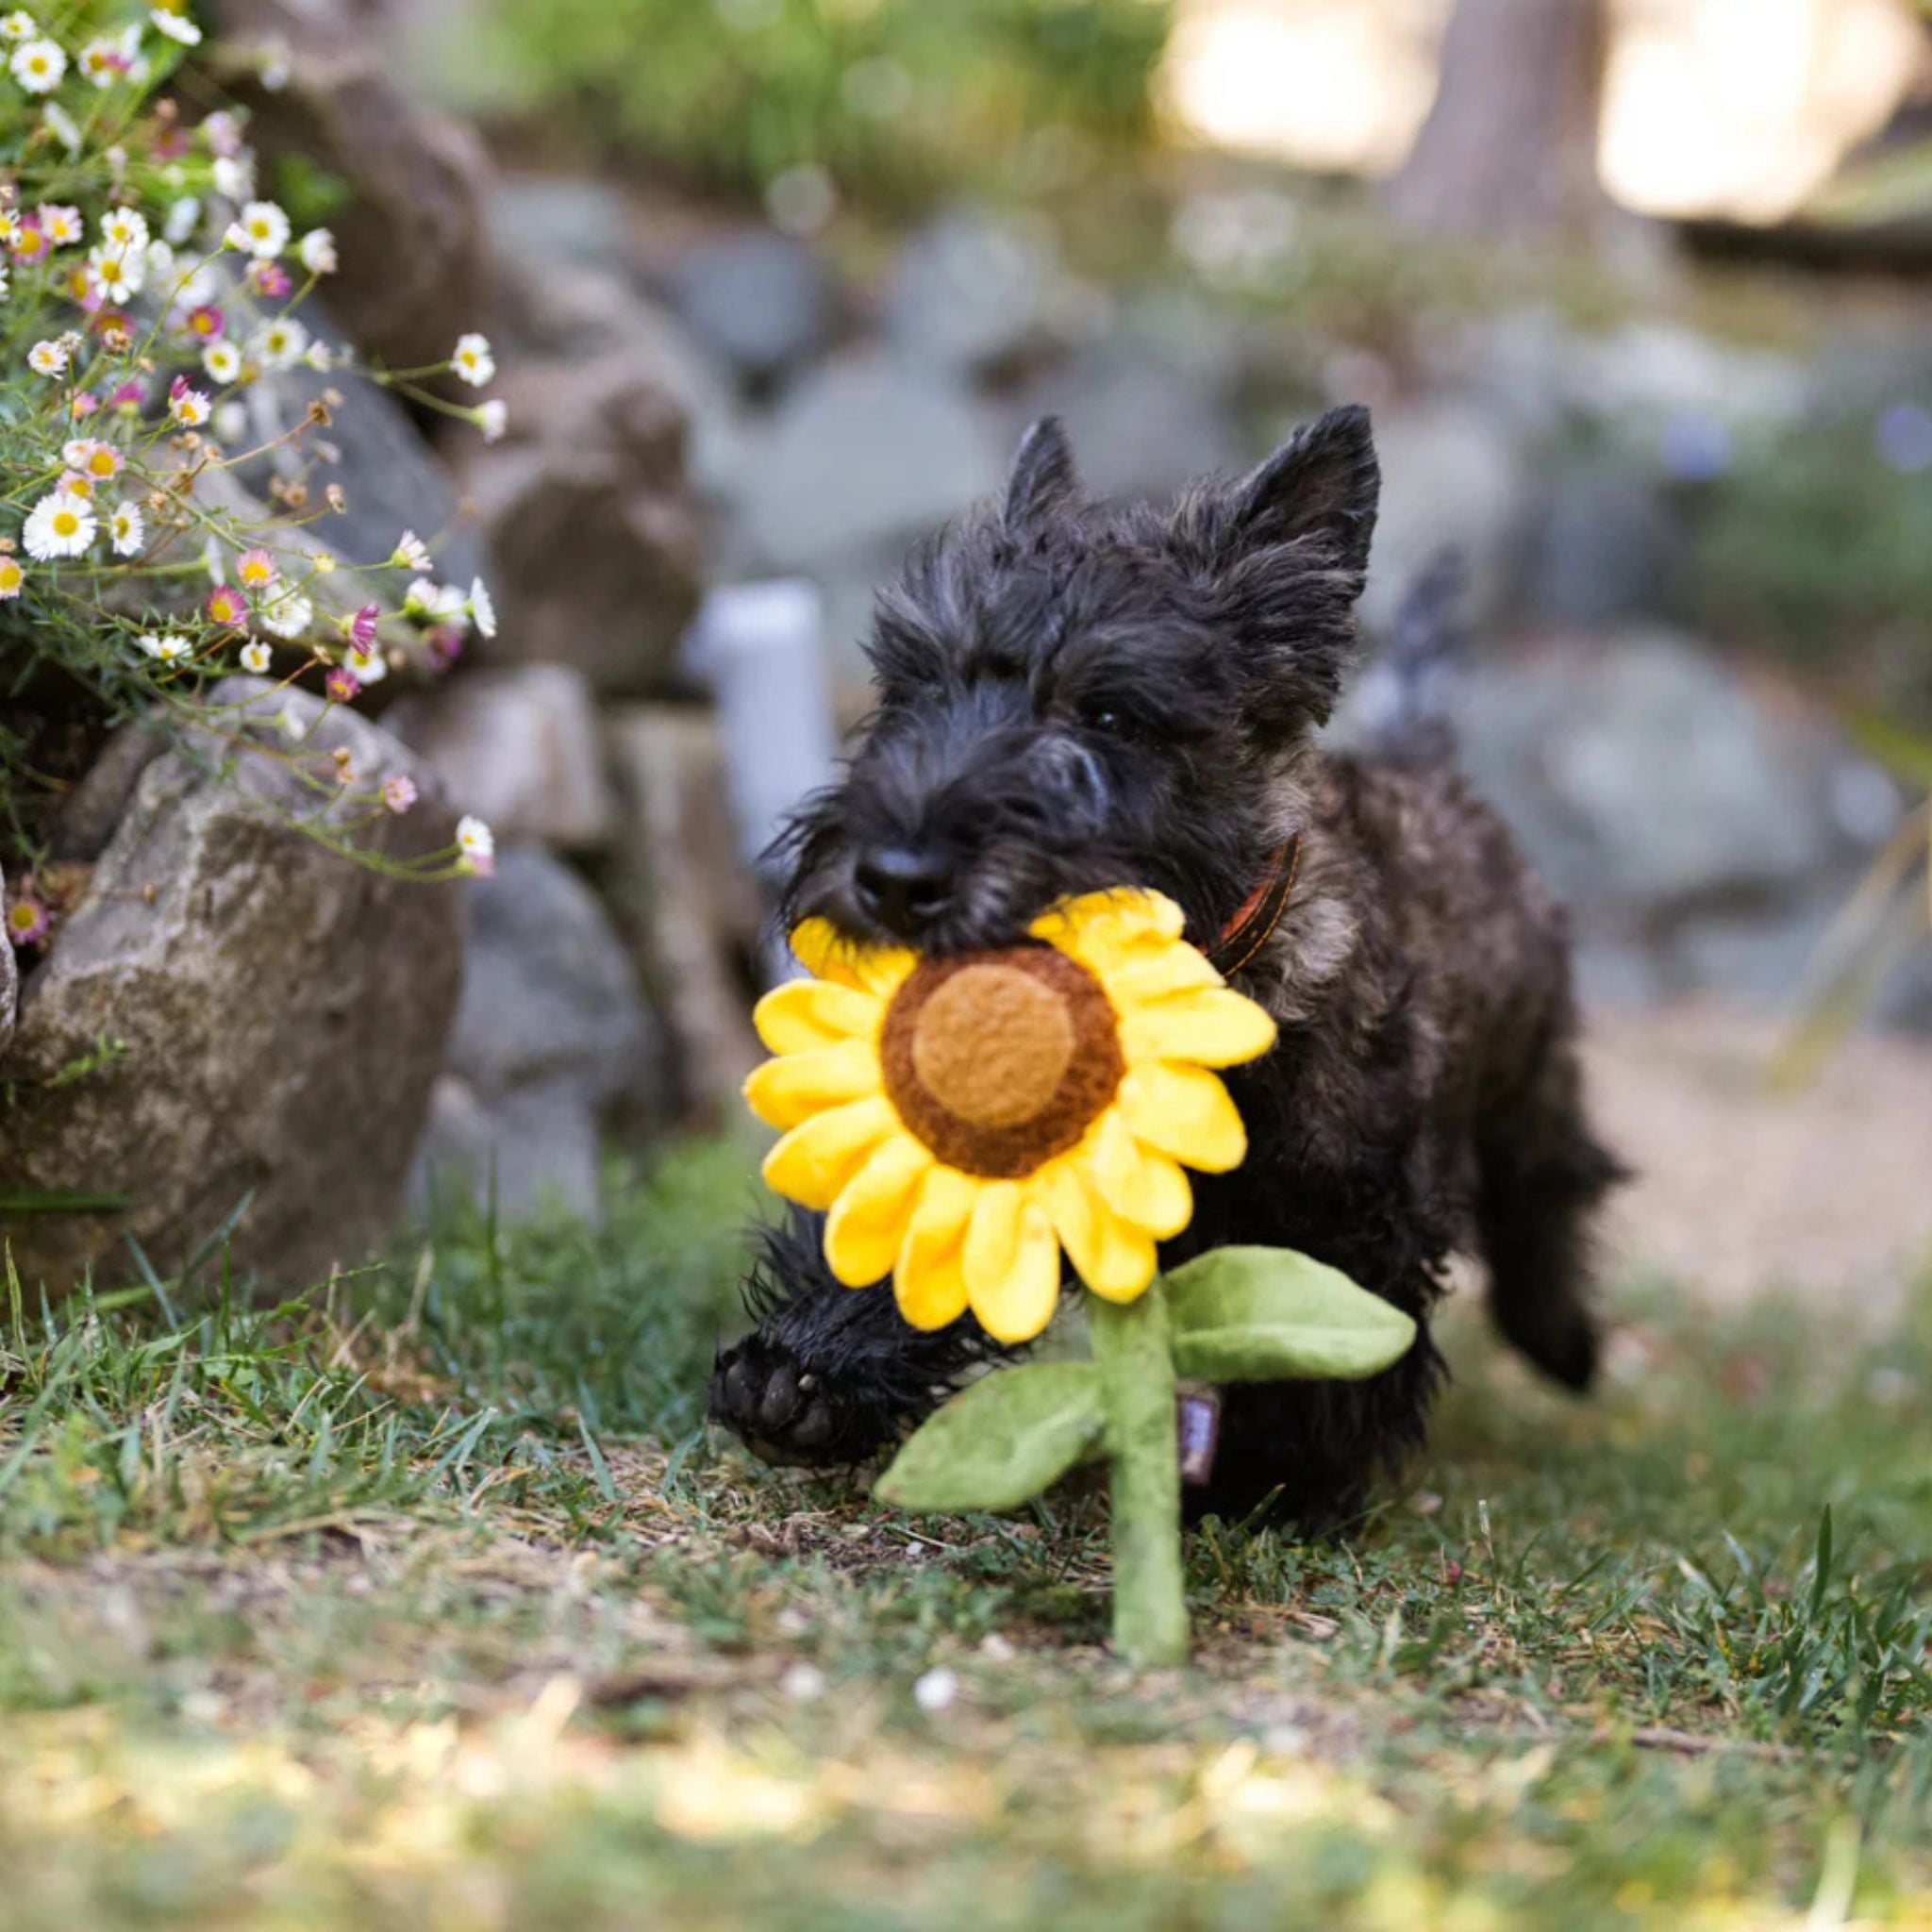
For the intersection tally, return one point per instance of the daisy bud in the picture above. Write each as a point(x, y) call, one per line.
point(362, 626)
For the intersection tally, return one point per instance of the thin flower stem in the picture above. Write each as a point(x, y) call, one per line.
point(1149, 1608)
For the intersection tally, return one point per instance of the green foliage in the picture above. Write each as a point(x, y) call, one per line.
point(1814, 546)
point(1003, 1442)
point(1266, 1314)
point(896, 98)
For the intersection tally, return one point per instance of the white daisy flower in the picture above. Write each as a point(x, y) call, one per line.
point(262, 230)
point(178, 26)
point(234, 175)
point(286, 612)
point(18, 26)
point(199, 288)
point(318, 252)
point(410, 553)
point(476, 841)
point(278, 344)
point(256, 657)
point(482, 608)
point(319, 356)
point(223, 361)
point(37, 65)
point(124, 229)
point(12, 577)
point(118, 276)
point(472, 362)
point(181, 218)
point(436, 602)
point(47, 359)
point(129, 529)
point(62, 126)
point(102, 61)
point(58, 525)
point(493, 418)
point(62, 227)
point(71, 485)
point(369, 666)
point(188, 407)
point(169, 650)
point(160, 264)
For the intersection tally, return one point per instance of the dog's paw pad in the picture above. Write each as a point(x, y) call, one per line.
point(778, 1410)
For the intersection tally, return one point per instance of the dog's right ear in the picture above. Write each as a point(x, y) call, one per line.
point(1043, 483)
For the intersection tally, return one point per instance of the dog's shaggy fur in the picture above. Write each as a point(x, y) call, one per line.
point(1075, 697)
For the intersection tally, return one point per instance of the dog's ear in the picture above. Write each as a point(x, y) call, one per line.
point(1043, 482)
point(1323, 482)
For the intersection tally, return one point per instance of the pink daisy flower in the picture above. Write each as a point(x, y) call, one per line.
point(341, 685)
point(26, 921)
point(399, 793)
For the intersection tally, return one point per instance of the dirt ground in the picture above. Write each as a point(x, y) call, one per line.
point(1745, 1187)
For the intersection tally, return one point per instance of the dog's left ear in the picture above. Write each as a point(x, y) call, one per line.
point(1325, 482)
point(1043, 482)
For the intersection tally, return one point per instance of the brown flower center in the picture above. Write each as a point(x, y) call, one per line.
point(998, 1061)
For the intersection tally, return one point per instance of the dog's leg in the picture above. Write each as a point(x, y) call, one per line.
point(1311, 1451)
point(830, 1372)
point(1543, 1174)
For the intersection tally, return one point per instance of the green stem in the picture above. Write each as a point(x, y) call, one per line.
point(1150, 1610)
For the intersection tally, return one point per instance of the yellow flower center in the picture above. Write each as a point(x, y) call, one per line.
point(1000, 1061)
point(65, 522)
point(101, 463)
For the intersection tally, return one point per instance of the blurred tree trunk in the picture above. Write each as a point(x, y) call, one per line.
point(1508, 152)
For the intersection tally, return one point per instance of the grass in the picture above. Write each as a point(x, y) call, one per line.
point(424, 1602)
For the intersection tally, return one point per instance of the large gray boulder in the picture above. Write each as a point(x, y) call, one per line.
point(276, 1013)
point(519, 748)
point(551, 1035)
point(588, 517)
point(1647, 780)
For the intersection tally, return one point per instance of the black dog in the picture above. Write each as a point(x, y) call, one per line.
point(1074, 697)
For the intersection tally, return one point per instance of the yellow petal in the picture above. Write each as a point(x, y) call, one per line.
point(1140, 1185)
point(1184, 1112)
point(819, 1155)
point(1012, 1264)
point(1176, 967)
point(784, 1092)
point(806, 1014)
point(929, 1278)
point(1103, 930)
point(867, 1225)
point(1113, 1258)
point(827, 953)
point(1213, 1028)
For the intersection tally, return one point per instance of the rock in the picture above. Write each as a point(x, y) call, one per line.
point(973, 292)
point(517, 747)
point(1452, 475)
point(415, 261)
point(691, 908)
point(282, 1014)
point(1142, 424)
point(556, 218)
point(760, 299)
point(90, 811)
point(550, 1032)
point(1645, 780)
point(1602, 541)
point(597, 550)
point(862, 457)
point(392, 480)
point(576, 314)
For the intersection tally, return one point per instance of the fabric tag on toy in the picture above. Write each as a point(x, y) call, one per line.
point(1198, 1425)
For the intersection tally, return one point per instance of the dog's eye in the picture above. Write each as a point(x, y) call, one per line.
point(1107, 721)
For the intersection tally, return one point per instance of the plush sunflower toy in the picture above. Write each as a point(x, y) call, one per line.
point(964, 1121)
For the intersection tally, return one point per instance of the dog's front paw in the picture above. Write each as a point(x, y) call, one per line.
point(783, 1412)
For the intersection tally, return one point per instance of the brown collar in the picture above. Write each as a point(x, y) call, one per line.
point(1259, 913)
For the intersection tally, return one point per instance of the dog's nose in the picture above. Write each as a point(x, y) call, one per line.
point(905, 888)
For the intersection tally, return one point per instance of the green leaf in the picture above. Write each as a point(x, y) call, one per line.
point(1002, 1442)
point(61, 1200)
point(1272, 1315)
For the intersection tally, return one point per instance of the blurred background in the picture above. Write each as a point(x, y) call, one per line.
point(1640, 292)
